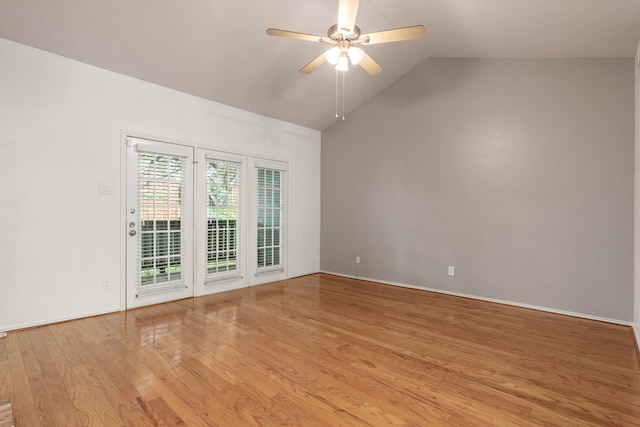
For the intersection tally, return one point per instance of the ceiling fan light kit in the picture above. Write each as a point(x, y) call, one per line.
point(343, 63)
point(332, 55)
point(355, 55)
point(338, 55)
point(344, 38)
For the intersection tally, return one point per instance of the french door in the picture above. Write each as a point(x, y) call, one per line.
point(159, 222)
point(199, 227)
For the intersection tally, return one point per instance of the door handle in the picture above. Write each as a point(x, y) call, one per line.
point(132, 232)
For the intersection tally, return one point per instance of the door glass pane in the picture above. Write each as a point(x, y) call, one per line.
point(160, 209)
point(269, 193)
point(223, 189)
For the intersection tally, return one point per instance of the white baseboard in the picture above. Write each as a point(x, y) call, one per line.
point(499, 301)
point(26, 325)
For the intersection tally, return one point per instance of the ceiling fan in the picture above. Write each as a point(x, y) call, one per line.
point(345, 37)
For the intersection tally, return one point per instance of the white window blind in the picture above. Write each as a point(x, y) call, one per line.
point(161, 184)
point(270, 216)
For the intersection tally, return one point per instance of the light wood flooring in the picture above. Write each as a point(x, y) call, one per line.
point(323, 351)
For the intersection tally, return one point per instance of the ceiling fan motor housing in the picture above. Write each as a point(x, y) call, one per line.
point(336, 33)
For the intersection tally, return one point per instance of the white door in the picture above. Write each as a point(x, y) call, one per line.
point(159, 222)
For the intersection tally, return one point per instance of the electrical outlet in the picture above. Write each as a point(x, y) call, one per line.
point(452, 270)
point(106, 285)
point(357, 260)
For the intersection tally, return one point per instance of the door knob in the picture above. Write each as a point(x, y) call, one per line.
point(132, 232)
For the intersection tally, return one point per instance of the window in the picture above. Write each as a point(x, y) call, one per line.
point(269, 204)
point(270, 212)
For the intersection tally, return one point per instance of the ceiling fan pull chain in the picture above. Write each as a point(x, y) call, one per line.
point(336, 94)
point(344, 86)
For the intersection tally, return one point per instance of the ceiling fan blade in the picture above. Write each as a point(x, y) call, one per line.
point(396, 35)
point(294, 35)
point(315, 63)
point(369, 65)
point(347, 12)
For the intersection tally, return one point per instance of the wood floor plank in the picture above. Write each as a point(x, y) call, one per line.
point(161, 413)
point(46, 409)
point(6, 386)
point(93, 390)
point(131, 412)
point(59, 360)
point(323, 350)
point(26, 417)
point(129, 374)
point(67, 342)
point(22, 396)
point(4, 353)
point(29, 360)
point(85, 408)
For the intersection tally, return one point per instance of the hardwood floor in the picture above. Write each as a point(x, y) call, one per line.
point(323, 351)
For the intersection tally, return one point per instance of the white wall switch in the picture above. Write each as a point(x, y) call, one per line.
point(452, 270)
point(357, 260)
point(104, 189)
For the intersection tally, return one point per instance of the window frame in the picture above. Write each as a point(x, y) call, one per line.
point(275, 272)
point(207, 283)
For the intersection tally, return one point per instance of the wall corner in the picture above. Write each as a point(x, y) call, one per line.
point(636, 257)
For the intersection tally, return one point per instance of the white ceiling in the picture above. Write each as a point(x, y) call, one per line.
point(219, 50)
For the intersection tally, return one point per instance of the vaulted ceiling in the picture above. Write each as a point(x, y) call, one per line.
point(219, 49)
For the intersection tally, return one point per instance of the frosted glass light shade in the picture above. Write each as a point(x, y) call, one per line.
point(343, 63)
point(332, 55)
point(355, 54)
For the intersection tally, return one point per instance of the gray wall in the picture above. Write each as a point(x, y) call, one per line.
point(517, 172)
